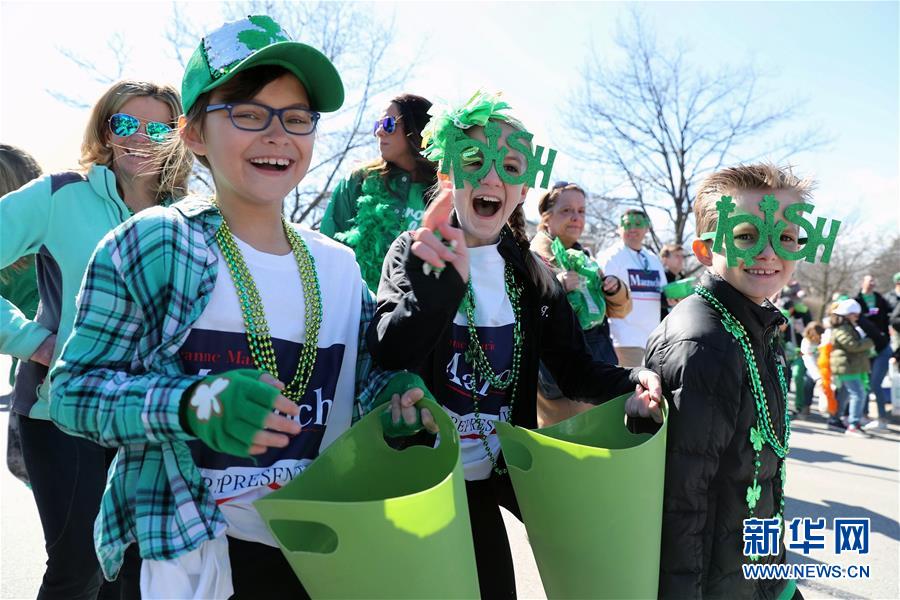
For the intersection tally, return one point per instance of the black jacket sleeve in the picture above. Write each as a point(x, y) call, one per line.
point(413, 309)
point(703, 413)
point(565, 353)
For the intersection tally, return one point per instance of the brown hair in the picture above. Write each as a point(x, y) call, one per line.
point(17, 168)
point(95, 148)
point(174, 155)
point(813, 332)
point(668, 249)
point(743, 177)
point(414, 114)
point(548, 201)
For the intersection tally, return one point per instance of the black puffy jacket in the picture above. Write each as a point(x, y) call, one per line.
point(709, 456)
point(411, 330)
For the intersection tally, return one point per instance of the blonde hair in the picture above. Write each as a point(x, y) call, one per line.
point(548, 202)
point(744, 177)
point(95, 148)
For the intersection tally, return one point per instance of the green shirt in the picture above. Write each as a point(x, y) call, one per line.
point(367, 214)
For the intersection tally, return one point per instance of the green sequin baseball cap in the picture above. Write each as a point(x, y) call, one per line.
point(254, 41)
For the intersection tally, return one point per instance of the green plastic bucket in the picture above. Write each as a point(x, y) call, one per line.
point(591, 497)
point(678, 290)
point(367, 521)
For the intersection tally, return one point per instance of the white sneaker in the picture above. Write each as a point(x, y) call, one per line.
point(876, 425)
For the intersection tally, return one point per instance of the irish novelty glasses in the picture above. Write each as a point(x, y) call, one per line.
point(742, 236)
point(124, 125)
point(253, 116)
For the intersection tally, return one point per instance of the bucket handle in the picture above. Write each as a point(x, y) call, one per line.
point(315, 517)
point(446, 429)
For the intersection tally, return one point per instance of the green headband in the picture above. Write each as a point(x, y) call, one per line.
point(634, 221)
point(445, 140)
point(769, 231)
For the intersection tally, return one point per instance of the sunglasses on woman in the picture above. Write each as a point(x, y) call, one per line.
point(389, 124)
point(123, 125)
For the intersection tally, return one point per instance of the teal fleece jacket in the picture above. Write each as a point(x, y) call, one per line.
point(60, 218)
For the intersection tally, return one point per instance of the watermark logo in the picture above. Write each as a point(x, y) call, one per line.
point(762, 537)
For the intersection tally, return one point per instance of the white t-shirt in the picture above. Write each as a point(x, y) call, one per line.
point(645, 276)
point(217, 342)
point(494, 322)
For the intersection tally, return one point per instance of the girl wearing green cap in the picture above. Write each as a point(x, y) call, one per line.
point(217, 345)
point(476, 331)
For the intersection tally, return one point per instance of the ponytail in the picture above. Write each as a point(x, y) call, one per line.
point(538, 271)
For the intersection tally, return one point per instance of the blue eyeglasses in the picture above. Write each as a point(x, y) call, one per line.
point(252, 116)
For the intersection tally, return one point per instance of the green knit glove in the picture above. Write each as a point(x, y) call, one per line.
point(400, 384)
point(227, 410)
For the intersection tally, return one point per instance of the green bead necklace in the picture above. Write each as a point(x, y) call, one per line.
point(764, 432)
point(258, 336)
point(481, 367)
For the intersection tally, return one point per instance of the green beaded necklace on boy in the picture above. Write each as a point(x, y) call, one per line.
point(481, 367)
point(259, 337)
point(764, 431)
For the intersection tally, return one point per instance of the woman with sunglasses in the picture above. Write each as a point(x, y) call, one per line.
point(386, 196)
point(61, 218)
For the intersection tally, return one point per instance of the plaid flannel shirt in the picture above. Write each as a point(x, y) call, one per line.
point(119, 380)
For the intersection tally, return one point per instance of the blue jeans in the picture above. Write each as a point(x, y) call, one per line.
point(854, 392)
point(879, 369)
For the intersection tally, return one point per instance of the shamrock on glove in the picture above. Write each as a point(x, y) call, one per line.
point(232, 411)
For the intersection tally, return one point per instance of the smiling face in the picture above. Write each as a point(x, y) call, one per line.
point(769, 273)
point(132, 154)
point(483, 210)
point(255, 167)
point(566, 219)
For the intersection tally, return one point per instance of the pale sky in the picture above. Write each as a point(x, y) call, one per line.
point(841, 56)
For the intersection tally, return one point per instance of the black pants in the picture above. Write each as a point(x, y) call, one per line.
point(259, 571)
point(68, 475)
point(496, 576)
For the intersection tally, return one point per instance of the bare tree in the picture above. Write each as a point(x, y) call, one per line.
point(656, 124)
point(119, 53)
point(347, 33)
point(851, 256)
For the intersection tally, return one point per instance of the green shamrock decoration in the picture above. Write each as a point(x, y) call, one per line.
point(733, 327)
point(260, 39)
point(753, 494)
point(756, 439)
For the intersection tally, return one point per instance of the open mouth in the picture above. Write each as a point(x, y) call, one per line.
point(486, 206)
point(271, 163)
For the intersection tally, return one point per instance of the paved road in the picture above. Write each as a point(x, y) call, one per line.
point(829, 475)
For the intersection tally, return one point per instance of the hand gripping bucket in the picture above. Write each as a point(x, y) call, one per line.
point(367, 521)
point(591, 497)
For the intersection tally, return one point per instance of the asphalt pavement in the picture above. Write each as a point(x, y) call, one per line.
point(830, 475)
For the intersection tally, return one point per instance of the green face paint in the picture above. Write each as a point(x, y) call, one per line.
point(634, 221)
point(471, 159)
point(755, 233)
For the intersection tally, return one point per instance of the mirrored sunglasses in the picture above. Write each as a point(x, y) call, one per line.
point(124, 125)
point(389, 124)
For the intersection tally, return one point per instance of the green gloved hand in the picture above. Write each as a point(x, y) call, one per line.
point(227, 410)
point(398, 385)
